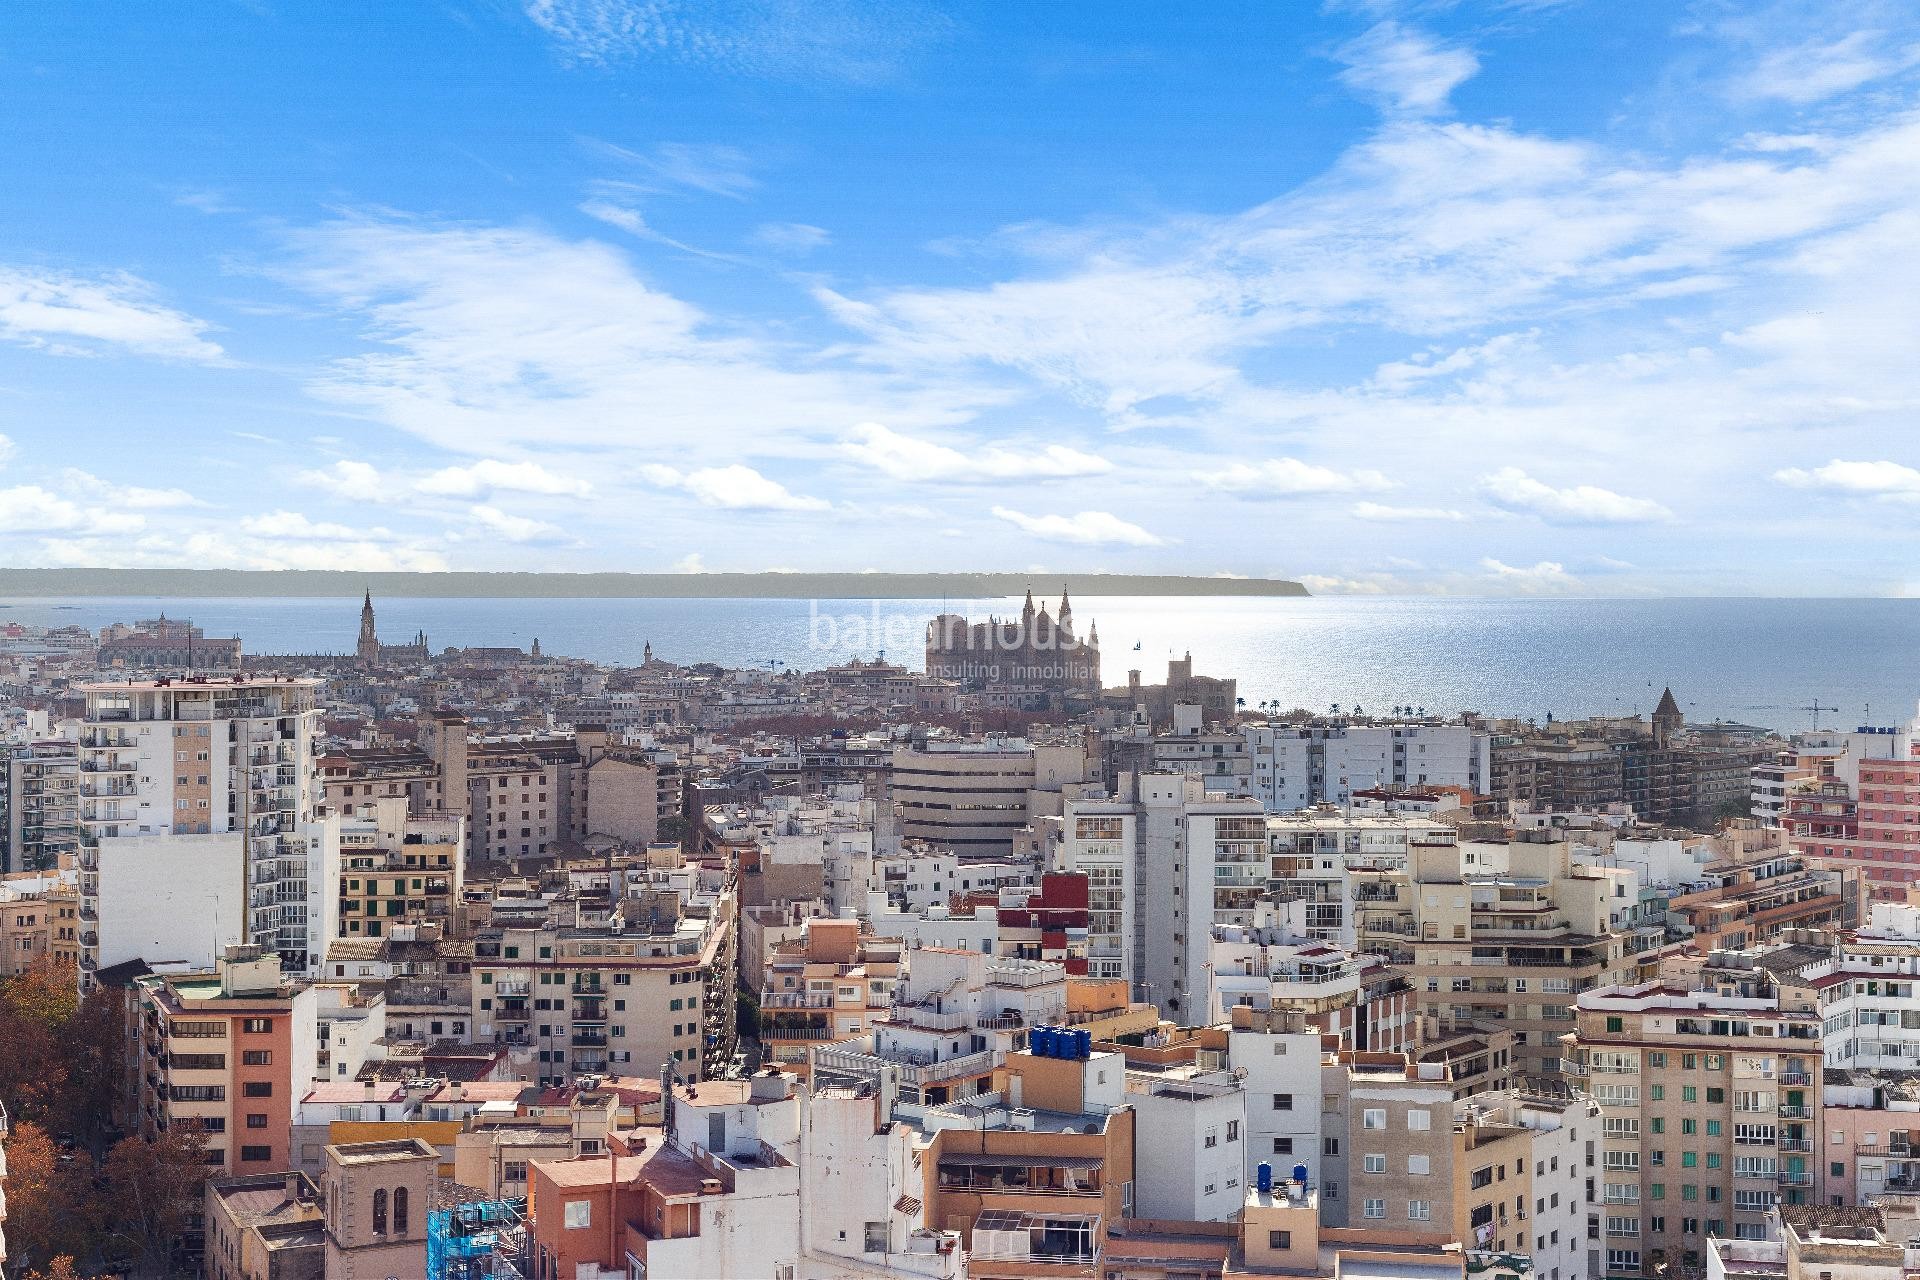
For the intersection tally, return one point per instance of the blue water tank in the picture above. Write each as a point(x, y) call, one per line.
point(1263, 1177)
point(1040, 1040)
point(1300, 1173)
point(1083, 1043)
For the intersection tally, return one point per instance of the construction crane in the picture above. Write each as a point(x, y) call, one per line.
point(1816, 709)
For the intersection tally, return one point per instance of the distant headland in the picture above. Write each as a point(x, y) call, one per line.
point(190, 583)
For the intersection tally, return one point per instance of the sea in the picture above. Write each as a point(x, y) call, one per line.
point(1788, 664)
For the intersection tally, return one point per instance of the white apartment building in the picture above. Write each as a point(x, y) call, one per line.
point(955, 1019)
point(201, 823)
point(1279, 1052)
point(1191, 1129)
point(919, 877)
point(1297, 765)
point(1165, 862)
point(1869, 993)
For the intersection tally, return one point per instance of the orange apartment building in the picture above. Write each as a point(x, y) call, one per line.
point(828, 984)
point(223, 1051)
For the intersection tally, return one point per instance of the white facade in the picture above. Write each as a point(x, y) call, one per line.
point(1297, 765)
point(861, 1185)
point(1164, 862)
point(919, 878)
point(1190, 1136)
point(168, 899)
point(184, 759)
point(1282, 1086)
point(751, 1230)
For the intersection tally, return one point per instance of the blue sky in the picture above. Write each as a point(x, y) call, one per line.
point(1517, 296)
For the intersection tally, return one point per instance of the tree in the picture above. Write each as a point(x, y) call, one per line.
point(153, 1190)
point(61, 1268)
point(98, 1054)
point(48, 1197)
point(36, 1008)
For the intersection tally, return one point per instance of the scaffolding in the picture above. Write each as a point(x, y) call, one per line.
point(478, 1240)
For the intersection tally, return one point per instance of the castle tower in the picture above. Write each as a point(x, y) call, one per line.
point(536, 647)
point(368, 647)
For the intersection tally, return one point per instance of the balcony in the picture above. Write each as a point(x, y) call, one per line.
point(1794, 1178)
point(1802, 1145)
point(795, 1000)
point(588, 1040)
point(1788, 1111)
point(1795, 1078)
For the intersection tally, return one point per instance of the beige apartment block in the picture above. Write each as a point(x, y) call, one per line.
point(1709, 1100)
point(578, 986)
point(1514, 946)
point(966, 796)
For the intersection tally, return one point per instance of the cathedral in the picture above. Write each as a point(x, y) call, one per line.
point(1038, 651)
point(372, 653)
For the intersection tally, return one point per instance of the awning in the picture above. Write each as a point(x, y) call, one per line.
point(1000, 1161)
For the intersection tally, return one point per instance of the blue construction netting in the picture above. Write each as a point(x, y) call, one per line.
point(477, 1241)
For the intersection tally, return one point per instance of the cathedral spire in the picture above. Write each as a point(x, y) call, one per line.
point(1065, 616)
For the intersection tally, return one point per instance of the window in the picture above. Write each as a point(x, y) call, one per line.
point(1616, 1024)
point(380, 1211)
point(1279, 1239)
point(1233, 1131)
point(257, 1089)
point(876, 1237)
point(400, 1211)
point(1283, 1102)
point(257, 1057)
point(1373, 1208)
point(579, 1214)
point(1419, 1120)
point(1330, 1146)
point(1373, 1164)
point(1420, 1210)
point(256, 1026)
point(1373, 1118)
point(258, 1155)
point(256, 1120)
point(1283, 1146)
point(1417, 1166)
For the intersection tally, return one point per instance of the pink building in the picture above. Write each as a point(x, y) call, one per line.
point(1869, 1135)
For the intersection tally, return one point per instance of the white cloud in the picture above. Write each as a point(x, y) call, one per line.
point(1321, 584)
point(493, 340)
point(1088, 528)
point(355, 481)
point(1543, 577)
point(1376, 511)
point(1405, 71)
point(911, 459)
point(1290, 478)
point(734, 488)
point(515, 528)
point(120, 495)
point(28, 508)
point(1881, 479)
point(73, 315)
point(491, 475)
point(1515, 490)
point(791, 237)
point(297, 526)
